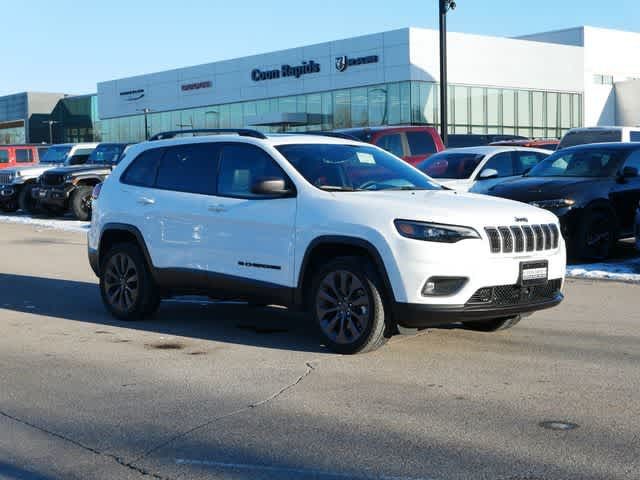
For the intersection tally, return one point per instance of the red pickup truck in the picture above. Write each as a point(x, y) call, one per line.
point(20, 155)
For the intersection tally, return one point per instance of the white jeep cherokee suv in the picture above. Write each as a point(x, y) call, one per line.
point(341, 229)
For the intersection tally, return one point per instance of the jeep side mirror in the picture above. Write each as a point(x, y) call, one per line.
point(629, 172)
point(487, 174)
point(271, 186)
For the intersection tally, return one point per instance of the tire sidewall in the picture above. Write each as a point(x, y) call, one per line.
point(76, 202)
point(589, 218)
point(25, 202)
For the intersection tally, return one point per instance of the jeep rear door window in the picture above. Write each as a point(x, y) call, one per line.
point(634, 136)
point(354, 168)
point(106, 154)
point(527, 160)
point(243, 165)
point(421, 143)
point(189, 168)
point(451, 165)
point(4, 156)
point(392, 143)
point(502, 163)
point(582, 137)
point(142, 171)
point(24, 155)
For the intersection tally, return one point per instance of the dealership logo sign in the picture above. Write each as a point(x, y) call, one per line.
point(187, 87)
point(285, 71)
point(132, 95)
point(344, 62)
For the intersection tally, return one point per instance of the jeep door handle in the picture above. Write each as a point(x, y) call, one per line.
point(146, 201)
point(217, 208)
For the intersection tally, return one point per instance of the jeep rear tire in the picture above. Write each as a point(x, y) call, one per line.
point(81, 202)
point(126, 284)
point(26, 202)
point(347, 305)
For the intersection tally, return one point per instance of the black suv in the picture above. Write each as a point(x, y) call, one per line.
point(594, 190)
point(70, 187)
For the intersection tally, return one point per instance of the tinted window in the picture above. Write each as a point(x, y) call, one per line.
point(633, 160)
point(354, 168)
point(391, 143)
point(460, 140)
point(582, 163)
point(56, 154)
point(421, 143)
point(634, 136)
point(106, 153)
point(4, 156)
point(527, 160)
point(502, 163)
point(243, 165)
point(24, 155)
point(189, 168)
point(451, 165)
point(582, 137)
point(42, 151)
point(142, 170)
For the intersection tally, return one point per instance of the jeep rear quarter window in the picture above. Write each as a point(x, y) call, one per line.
point(142, 171)
point(24, 155)
point(582, 137)
point(4, 156)
point(421, 143)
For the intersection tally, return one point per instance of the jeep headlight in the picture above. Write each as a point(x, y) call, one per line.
point(16, 177)
point(434, 232)
point(551, 204)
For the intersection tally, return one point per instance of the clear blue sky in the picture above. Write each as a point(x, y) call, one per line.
point(69, 45)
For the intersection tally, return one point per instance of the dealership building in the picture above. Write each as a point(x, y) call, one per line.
point(537, 85)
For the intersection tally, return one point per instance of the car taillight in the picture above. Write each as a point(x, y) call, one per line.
point(96, 191)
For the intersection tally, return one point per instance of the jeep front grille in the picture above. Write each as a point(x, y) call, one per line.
point(5, 178)
point(51, 179)
point(525, 238)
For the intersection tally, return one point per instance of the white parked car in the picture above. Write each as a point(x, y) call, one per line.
point(477, 169)
point(341, 229)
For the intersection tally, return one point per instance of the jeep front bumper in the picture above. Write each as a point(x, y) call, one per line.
point(53, 196)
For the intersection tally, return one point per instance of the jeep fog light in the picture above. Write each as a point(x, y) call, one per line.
point(442, 286)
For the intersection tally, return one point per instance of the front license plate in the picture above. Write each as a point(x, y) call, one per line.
point(534, 273)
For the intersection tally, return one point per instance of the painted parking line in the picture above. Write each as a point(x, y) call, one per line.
point(299, 472)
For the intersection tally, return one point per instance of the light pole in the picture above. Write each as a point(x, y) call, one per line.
point(146, 111)
point(445, 6)
point(51, 123)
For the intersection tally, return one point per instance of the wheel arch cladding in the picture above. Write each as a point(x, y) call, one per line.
point(114, 233)
point(325, 248)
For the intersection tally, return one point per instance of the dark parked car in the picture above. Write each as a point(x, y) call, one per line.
point(70, 187)
point(460, 140)
point(544, 143)
point(594, 190)
point(411, 143)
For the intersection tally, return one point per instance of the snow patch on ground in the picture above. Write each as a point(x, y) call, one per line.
point(624, 270)
point(56, 224)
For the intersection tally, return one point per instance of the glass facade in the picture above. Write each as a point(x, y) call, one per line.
point(76, 120)
point(12, 132)
point(473, 109)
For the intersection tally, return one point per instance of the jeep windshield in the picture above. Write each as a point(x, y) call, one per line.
point(351, 168)
point(581, 163)
point(56, 155)
point(106, 154)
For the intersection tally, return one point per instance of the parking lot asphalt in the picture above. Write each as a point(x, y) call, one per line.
point(209, 390)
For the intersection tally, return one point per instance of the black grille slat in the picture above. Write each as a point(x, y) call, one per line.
point(494, 239)
point(548, 241)
point(513, 295)
point(528, 233)
point(537, 229)
point(507, 240)
point(556, 235)
point(518, 237)
point(52, 179)
point(5, 178)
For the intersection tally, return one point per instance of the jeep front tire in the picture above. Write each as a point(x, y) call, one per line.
point(81, 202)
point(26, 202)
point(347, 305)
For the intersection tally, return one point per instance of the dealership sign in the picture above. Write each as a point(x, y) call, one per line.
point(344, 62)
point(285, 71)
point(187, 87)
point(132, 95)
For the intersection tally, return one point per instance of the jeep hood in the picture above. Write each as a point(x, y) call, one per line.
point(529, 189)
point(77, 169)
point(31, 171)
point(446, 207)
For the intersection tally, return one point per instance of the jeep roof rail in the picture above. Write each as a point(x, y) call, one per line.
point(344, 136)
point(243, 132)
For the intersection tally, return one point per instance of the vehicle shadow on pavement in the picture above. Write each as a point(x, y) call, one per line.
point(10, 472)
point(269, 327)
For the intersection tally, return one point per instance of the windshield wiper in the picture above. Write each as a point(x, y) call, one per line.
point(335, 188)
